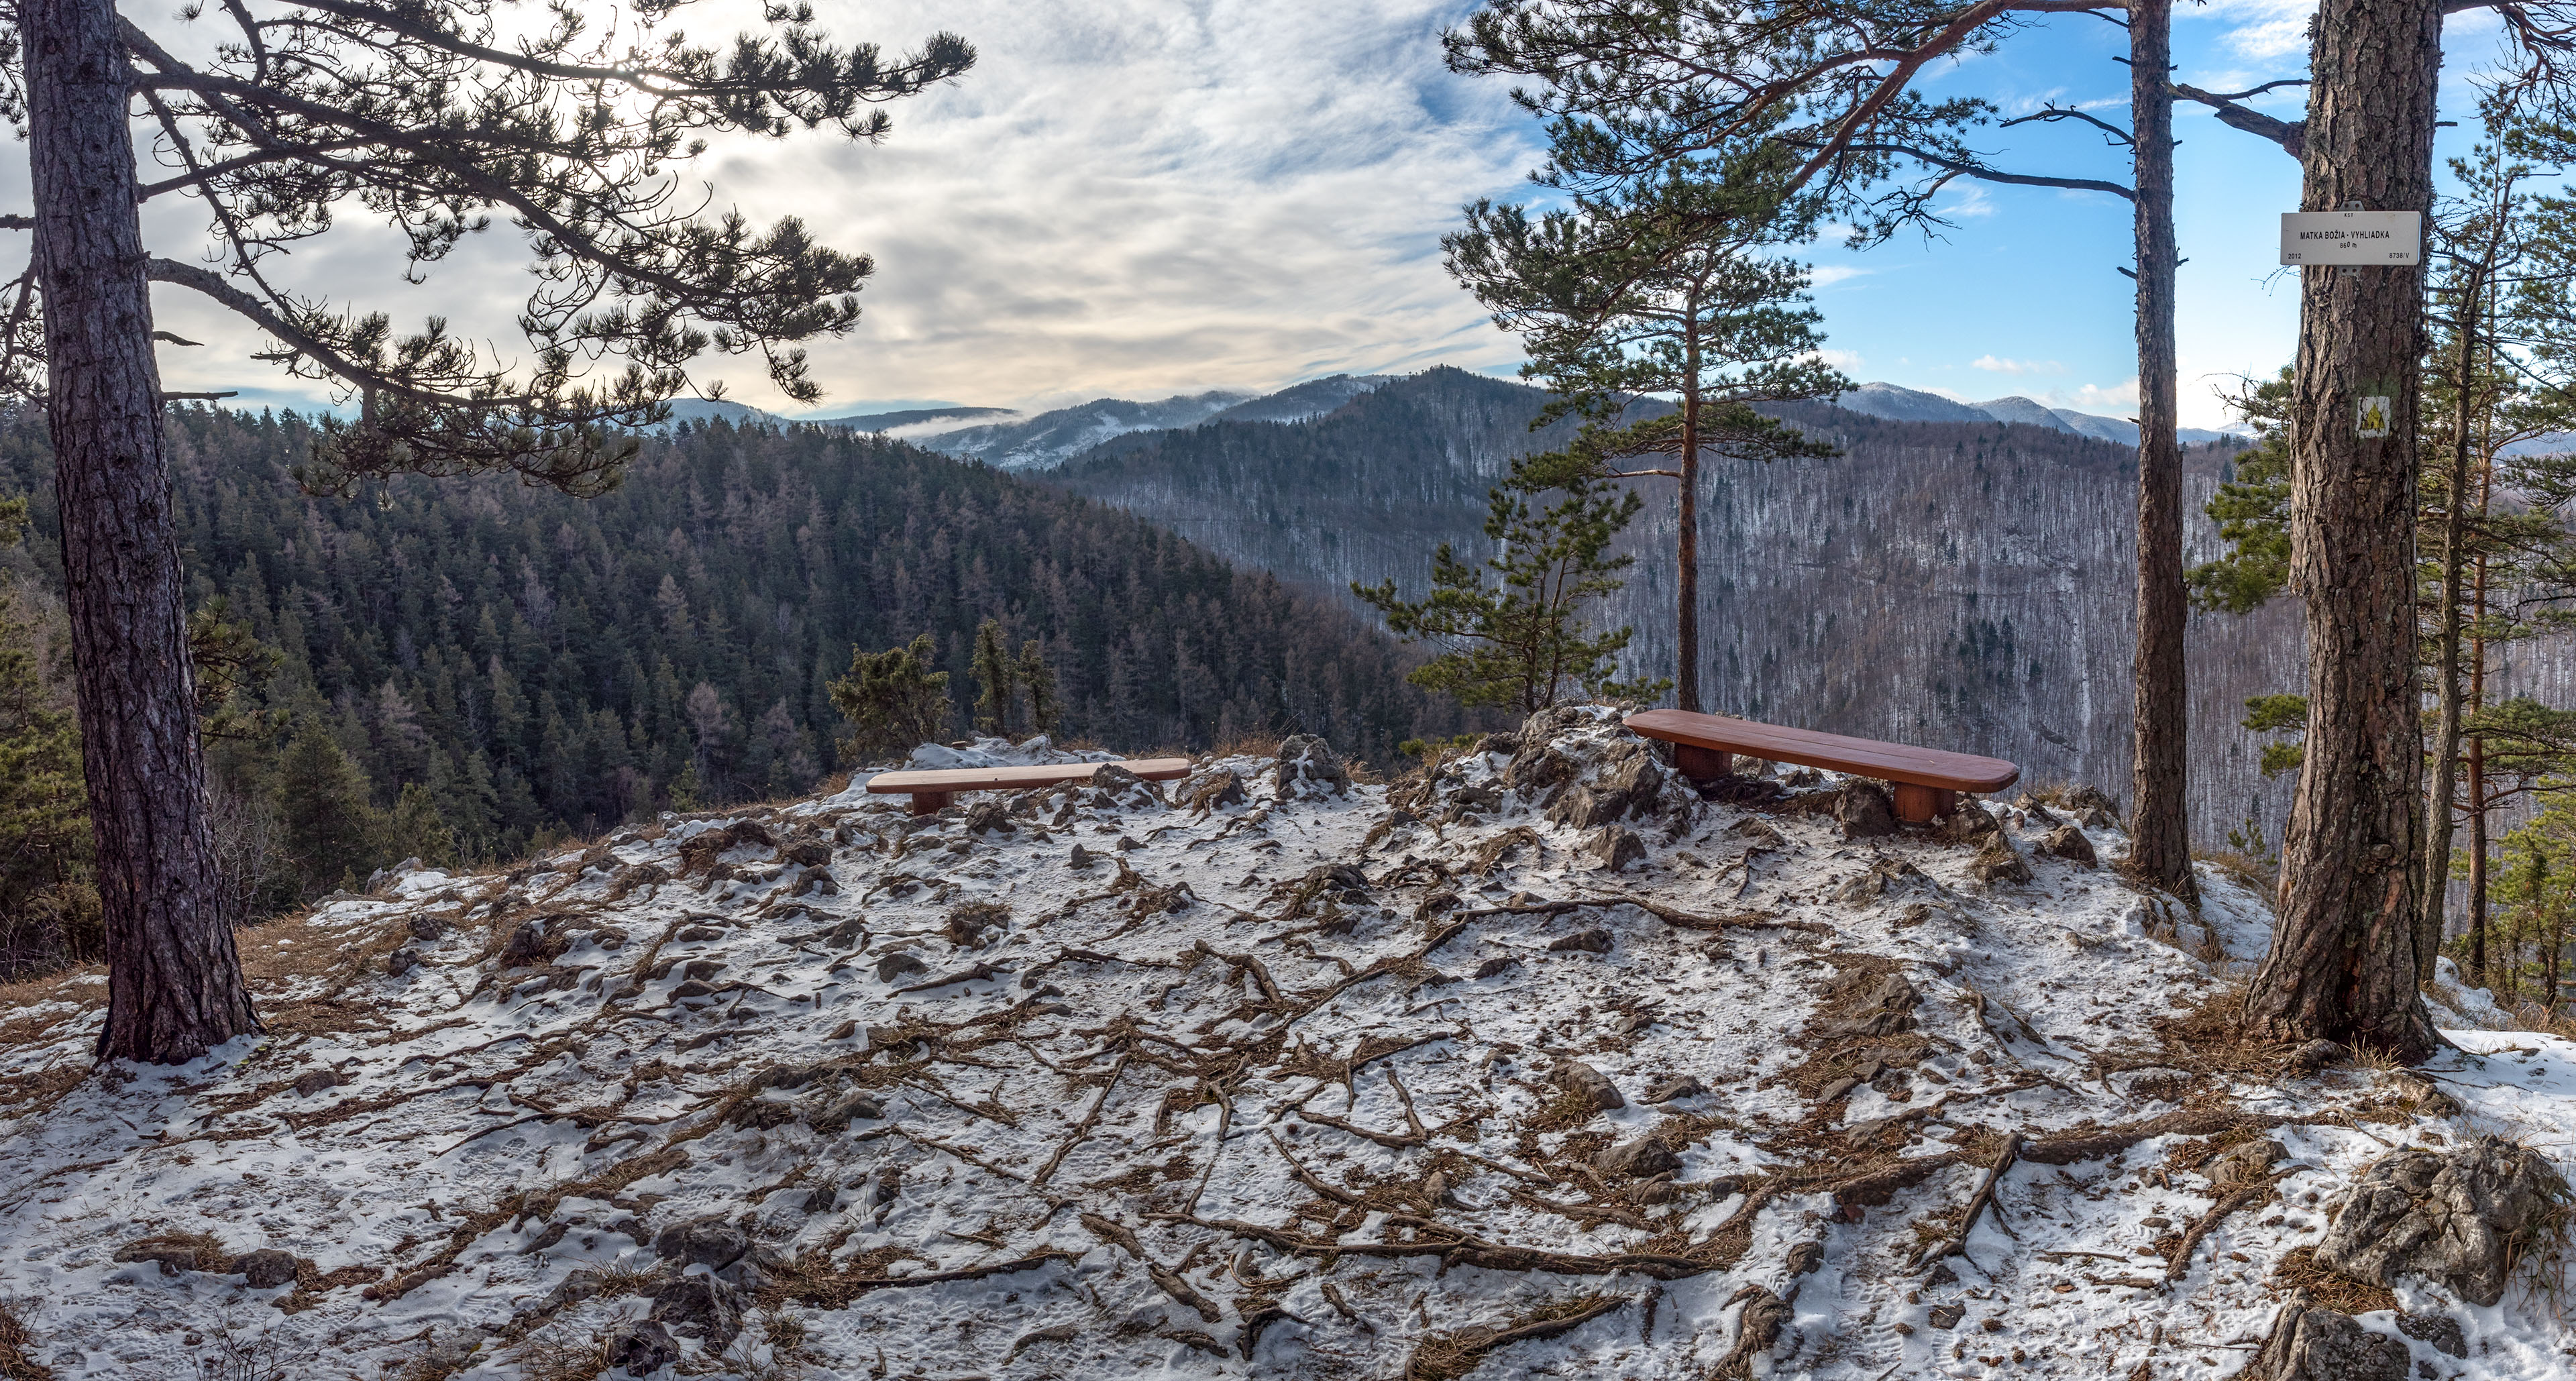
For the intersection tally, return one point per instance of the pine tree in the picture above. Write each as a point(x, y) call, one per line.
point(1661, 289)
point(331, 825)
point(996, 681)
point(1520, 641)
point(1037, 678)
point(576, 132)
point(44, 834)
point(417, 830)
point(892, 699)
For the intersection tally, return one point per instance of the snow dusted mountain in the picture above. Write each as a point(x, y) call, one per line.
point(1536, 1064)
point(1052, 438)
point(1912, 405)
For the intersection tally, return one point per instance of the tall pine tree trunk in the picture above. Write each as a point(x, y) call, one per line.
point(2160, 848)
point(1686, 627)
point(174, 981)
point(2478, 770)
point(2342, 963)
point(2434, 906)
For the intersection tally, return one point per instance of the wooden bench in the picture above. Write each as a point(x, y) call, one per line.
point(1927, 780)
point(932, 790)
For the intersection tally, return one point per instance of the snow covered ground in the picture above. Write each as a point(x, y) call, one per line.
point(1255, 1074)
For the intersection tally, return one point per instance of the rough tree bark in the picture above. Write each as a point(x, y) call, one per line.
point(2432, 907)
point(2160, 847)
point(174, 981)
point(1686, 629)
point(2342, 963)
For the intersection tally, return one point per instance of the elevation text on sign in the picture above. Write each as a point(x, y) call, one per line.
point(2352, 237)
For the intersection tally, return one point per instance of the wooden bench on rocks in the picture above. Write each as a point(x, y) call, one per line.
point(1927, 780)
point(932, 790)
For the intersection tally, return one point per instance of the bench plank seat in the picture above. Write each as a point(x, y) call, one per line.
point(932, 789)
point(1927, 779)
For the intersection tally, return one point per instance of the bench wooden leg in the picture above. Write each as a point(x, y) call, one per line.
point(1917, 805)
point(931, 802)
point(1702, 764)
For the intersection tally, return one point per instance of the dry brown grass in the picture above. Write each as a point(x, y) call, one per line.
point(561, 1359)
point(2299, 1270)
point(1448, 1356)
point(17, 1342)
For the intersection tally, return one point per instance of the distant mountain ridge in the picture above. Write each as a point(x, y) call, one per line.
point(1897, 404)
point(1958, 581)
point(1051, 438)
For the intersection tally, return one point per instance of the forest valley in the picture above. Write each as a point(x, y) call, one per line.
point(448, 946)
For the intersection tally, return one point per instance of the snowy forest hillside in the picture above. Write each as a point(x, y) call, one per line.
point(1967, 585)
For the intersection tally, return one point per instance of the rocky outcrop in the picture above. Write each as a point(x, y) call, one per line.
point(2308, 1343)
point(1308, 766)
point(2458, 1219)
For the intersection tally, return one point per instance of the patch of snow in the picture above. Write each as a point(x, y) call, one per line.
point(1301, 1052)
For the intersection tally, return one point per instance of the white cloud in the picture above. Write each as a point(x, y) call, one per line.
point(2119, 400)
point(1122, 197)
point(1845, 360)
point(2261, 29)
point(1994, 365)
point(1826, 275)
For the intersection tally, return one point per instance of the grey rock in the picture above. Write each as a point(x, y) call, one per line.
point(2455, 1218)
point(2244, 1163)
point(1969, 824)
point(641, 1349)
point(810, 853)
point(826, 1199)
point(1837, 1089)
point(857, 1107)
point(1806, 1258)
point(578, 1284)
point(1500, 963)
point(1883, 877)
point(530, 946)
point(1629, 781)
point(1617, 847)
point(1538, 768)
point(2440, 1330)
point(709, 1241)
point(423, 927)
point(402, 961)
point(1308, 766)
point(266, 1268)
point(1667, 1090)
point(1639, 1159)
point(2082, 798)
point(1864, 811)
point(1870, 1005)
point(1947, 1316)
point(692, 990)
point(1116, 787)
point(900, 963)
point(2316, 1055)
point(989, 817)
point(816, 882)
point(1589, 1085)
point(1593, 941)
point(1081, 858)
point(2069, 843)
point(313, 1081)
point(2312, 1344)
point(1213, 790)
point(1999, 862)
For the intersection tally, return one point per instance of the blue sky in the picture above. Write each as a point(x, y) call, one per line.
point(1145, 197)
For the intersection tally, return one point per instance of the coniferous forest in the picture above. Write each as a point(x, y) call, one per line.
point(460, 669)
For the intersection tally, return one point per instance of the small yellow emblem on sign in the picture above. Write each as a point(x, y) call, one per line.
point(2372, 420)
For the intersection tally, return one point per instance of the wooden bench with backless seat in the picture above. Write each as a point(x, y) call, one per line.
point(1927, 780)
point(933, 789)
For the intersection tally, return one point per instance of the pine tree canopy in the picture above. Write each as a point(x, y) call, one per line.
point(443, 117)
